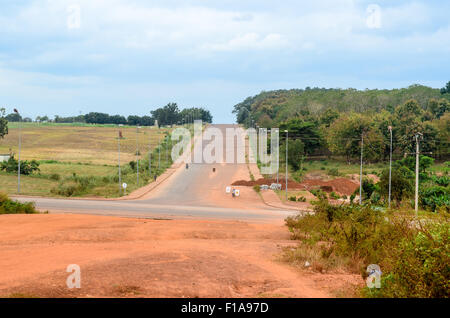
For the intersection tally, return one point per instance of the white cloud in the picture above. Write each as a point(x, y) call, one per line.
point(249, 41)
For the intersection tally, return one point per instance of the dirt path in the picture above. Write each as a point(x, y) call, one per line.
point(147, 258)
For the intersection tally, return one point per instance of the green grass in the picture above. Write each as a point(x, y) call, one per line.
point(68, 169)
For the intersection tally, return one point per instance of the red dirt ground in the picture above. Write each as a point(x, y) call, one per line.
point(339, 185)
point(122, 257)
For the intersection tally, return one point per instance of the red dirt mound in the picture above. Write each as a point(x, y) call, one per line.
point(340, 185)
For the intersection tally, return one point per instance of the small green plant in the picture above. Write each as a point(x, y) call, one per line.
point(334, 196)
point(257, 188)
point(334, 172)
point(293, 198)
point(55, 177)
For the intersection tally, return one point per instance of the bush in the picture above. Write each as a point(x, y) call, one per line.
point(334, 196)
point(334, 172)
point(442, 181)
point(301, 199)
point(420, 266)
point(434, 198)
point(414, 259)
point(294, 199)
point(26, 167)
point(318, 194)
point(8, 206)
point(257, 188)
point(55, 177)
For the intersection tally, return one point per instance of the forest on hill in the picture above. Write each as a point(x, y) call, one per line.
point(274, 107)
point(333, 121)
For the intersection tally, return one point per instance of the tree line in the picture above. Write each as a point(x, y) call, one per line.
point(167, 115)
point(333, 122)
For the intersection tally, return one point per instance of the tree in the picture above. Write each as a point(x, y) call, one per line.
point(3, 123)
point(401, 183)
point(196, 114)
point(328, 117)
point(446, 89)
point(167, 115)
point(13, 117)
point(344, 137)
point(438, 107)
point(26, 167)
point(307, 132)
point(443, 138)
point(295, 153)
point(97, 118)
point(407, 122)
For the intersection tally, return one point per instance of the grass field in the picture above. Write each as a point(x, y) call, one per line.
point(82, 159)
point(92, 144)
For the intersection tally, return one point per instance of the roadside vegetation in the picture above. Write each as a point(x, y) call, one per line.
point(413, 254)
point(326, 127)
point(8, 206)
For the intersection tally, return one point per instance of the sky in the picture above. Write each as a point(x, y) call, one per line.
point(129, 57)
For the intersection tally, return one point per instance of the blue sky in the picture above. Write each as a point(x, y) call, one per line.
point(132, 56)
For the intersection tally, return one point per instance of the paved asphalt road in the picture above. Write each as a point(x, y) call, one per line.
point(181, 196)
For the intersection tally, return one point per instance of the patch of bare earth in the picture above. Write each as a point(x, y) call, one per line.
point(339, 185)
point(148, 258)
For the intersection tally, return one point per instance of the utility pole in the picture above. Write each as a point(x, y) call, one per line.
point(20, 145)
point(166, 141)
point(416, 203)
point(137, 154)
point(120, 172)
point(360, 170)
point(417, 137)
point(390, 168)
point(287, 140)
point(149, 153)
point(159, 152)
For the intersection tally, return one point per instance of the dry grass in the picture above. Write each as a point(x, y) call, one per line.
point(68, 150)
point(86, 144)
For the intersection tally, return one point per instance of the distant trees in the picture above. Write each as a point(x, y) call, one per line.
point(344, 137)
point(196, 114)
point(306, 131)
point(167, 115)
point(171, 115)
point(13, 117)
point(3, 123)
point(140, 121)
point(446, 89)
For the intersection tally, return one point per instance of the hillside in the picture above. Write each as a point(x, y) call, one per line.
point(274, 107)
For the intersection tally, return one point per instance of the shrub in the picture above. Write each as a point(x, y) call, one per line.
point(402, 184)
point(334, 172)
point(55, 177)
point(442, 181)
point(414, 259)
point(420, 266)
point(294, 199)
point(318, 193)
point(334, 195)
point(301, 199)
point(435, 197)
point(8, 206)
point(257, 188)
point(26, 167)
